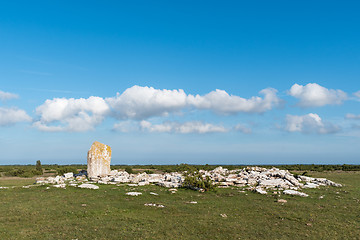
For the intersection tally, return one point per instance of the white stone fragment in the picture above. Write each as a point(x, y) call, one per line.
point(88, 186)
point(295, 193)
point(133, 193)
point(260, 190)
point(154, 205)
point(310, 185)
point(68, 175)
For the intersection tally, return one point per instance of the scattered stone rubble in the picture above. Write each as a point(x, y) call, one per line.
point(154, 205)
point(260, 180)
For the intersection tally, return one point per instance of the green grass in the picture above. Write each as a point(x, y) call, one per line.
point(38, 213)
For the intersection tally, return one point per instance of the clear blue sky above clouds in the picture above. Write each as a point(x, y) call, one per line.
point(166, 82)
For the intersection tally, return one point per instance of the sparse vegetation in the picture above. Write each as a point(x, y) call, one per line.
point(66, 169)
point(129, 169)
point(38, 166)
point(195, 181)
point(35, 213)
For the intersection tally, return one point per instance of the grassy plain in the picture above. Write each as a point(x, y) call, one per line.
point(107, 213)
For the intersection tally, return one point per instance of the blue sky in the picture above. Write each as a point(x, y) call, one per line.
point(163, 82)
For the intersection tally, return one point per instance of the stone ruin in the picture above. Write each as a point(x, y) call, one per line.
point(98, 160)
point(257, 179)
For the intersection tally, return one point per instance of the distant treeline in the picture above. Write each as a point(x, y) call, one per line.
point(31, 170)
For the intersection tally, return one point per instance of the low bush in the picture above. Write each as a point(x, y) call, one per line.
point(23, 172)
point(196, 181)
point(129, 169)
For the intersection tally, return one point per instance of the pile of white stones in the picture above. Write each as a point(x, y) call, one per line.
point(256, 179)
point(169, 180)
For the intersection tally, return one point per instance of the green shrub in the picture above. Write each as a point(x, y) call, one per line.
point(38, 166)
point(149, 171)
point(196, 182)
point(23, 172)
point(186, 167)
point(129, 169)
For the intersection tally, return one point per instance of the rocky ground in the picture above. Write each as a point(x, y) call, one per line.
point(260, 180)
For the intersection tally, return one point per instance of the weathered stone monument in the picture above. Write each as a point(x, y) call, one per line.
point(98, 160)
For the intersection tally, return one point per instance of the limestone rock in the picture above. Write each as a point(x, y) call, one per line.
point(272, 183)
point(260, 190)
point(310, 185)
point(88, 185)
point(68, 175)
point(98, 160)
point(133, 193)
point(295, 193)
point(154, 205)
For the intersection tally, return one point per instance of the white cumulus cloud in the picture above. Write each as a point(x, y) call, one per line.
point(77, 115)
point(144, 102)
point(314, 95)
point(309, 123)
point(186, 127)
point(7, 96)
point(221, 102)
point(141, 103)
point(9, 116)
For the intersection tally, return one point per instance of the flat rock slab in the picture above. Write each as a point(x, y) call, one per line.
point(260, 190)
point(311, 185)
point(89, 186)
point(133, 193)
point(295, 193)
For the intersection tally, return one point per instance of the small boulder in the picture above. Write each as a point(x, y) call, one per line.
point(260, 190)
point(68, 175)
